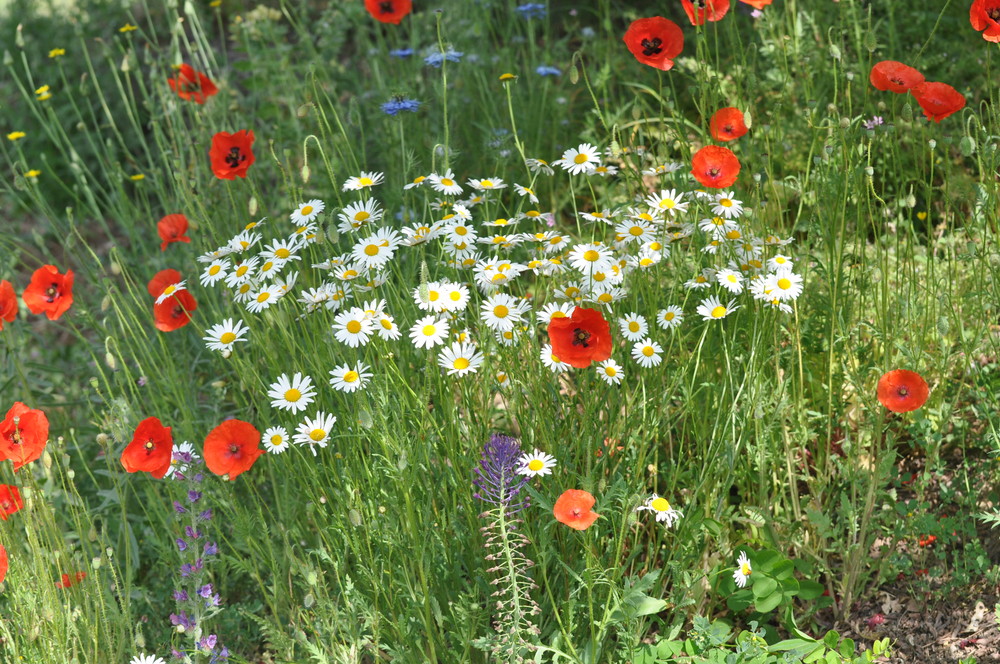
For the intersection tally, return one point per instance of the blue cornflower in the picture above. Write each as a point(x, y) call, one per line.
point(398, 104)
point(531, 10)
point(401, 53)
point(451, 55)
point(545, 70)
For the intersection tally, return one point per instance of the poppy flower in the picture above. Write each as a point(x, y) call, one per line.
point(757, 4)
point(985, 15)
point(231, 154)
point(67, 581)
point(3, 563)
point(700, 11)
point(902, 390)
point(150, 450)
point(582, 338)
point(894, 76)
point(389, 11)
point(175, 311)
point(573, 508)
point(23, 434)
point(232, 448)
point(192, 85)
point(655, 41)
point(161, 280)
point(727, 124)
point(172, 228)
point(938, 100)
point(8, 303)
point(10, 500)
point(49, 292)
point(715, 166)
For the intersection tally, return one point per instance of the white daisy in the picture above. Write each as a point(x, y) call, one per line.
point(387, 329)
point(731, 280)
point(582, 159)
point(590, 258)
point(526, 191)
point(147, 659)
point(713, 309)
point(633, 326)
point(263, 297)
point(429, 331)
point(647, 353)
point(610, 372)
point(377, 249)
point(670, 317)
point(779, 261)
point(352, 327)
point(604, 171)
point(291, 394)
point(727, 206)
point(537, 463)
point(222, 336)
point(635, 230)
point(552, 310)
point(662, 509)
point(553, 363)
point(454, 297)
point(486, 184)
point(784, 284)
point(445, 183)
point(539, 166)
point(170, 290)
point(366, 180)
point(315, 431)
point(460, 358)
point(307, 212)
point(348, 379)
point(743, 570)
point(243, 292)
point(356, 215)
point(416, 182)
point(242, 272)
point(275, 440)
point(668, 201)
point(703, 280)
point(501, 312)
point(181, 458)
point(243, 241)
point(214, 271)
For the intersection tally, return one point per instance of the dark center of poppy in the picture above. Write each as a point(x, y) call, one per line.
point(714, 172)
point(651, 46)
point(902, 390)
point(994, 13)
point(386, 7)
point(189, 84)
point(234, 449)
point(897, 80)
point(149, 446)
point(728, 129)
point(234, 158)
point(700, 4)
point(51, 293)
point(6, 505)
point(577, 512)
point(581, 337)
point(177, 311)
point(16, 437)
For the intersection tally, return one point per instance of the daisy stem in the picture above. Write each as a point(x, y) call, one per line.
point(513, 127)
point(444, 91)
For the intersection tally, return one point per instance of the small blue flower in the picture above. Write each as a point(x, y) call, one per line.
point(401, 53)
point(205, 591)
point(531, 10)
point(398, 104)
point(437, 58)
point(180, 595)
point(545, 70)
point(211, 548)
point(181, 544)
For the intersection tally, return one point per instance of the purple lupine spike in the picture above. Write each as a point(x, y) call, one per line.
point(497, 478)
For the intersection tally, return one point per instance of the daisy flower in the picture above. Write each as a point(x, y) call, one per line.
point(731, 280)
point(554, 310)
point(537, 463)
point(664, 512)
point(713, 309)
point(429, 331)
point(242, 272)
point(356, 215)
point(445, 184)
point(216, 270)
point(460, 232)
point(269, 268)
point(460, 358)
point(365, 180)
point(779, 261)
point(291, 394)
point(590, 257)
point(181, 458)
point(243, 292)
point(221, 337)
point(743, 570)
point(526, 191)
point(315, 431)
point(243, 241)
point(635, 230)
point(170, 290)
point(717, 226)
point(551, 362)
point(454, 297)
point(428, 296)
point(307, 212)
point(416, 182)
point(668, 200)
point(377, 249)
point(703, 280)
point(147, 659)
point(348, 379)
point(582, 159)
point(633, 326)
point(387, 329)
point(784, 284)
point(670, 317)
point(353, 327)
point(275, 440)
point(538, 166)
point(486, 184)
point(647, 353)
point(663, 169)
point(610, 372)
point(501, 312)
point(604, 171)
point(603, 216)
point(727, 206)
point(263, 298)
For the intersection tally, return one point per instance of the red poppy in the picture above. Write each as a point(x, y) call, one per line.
point(573, 508)
point(161, 280)
point(582, 338)
point(926, 540)
point(655, 41)
point(49, 292)
point(68, 580)
point(192, 85)
point(757, 4)
point(389, 11)
point(715, 166)
point(231, 154)
point(985, 15)
point(700, 11)
point(727, 124)
point(232, 448)
point(23, 434)
point(8, 303)
point(3, 563)
point(894, 76)
point(938, 100)
point(150, 449)
point(10, 500)
point(902, 390)
point(172, 228)
point(175, 311)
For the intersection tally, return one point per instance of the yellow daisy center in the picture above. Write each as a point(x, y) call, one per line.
point(668, 316)
point(317, 434)
point(227, 338)
point(306, 209)
point(353, 327)
point(276, 439)
point(580, 159)
point(633, 326)
point(292, 395)
point(535, 465)
point(428, 330)
point(371, 250)
point(263, 297)
point(386, 323)
point(362, 216)
point(725, 202)
point(447, 182)
point(460, 363)
point(214, 270)
point(660, 505)
point(365, 182)
point(784, 284)
point(591, 255)
point(351, 377)
point(648, 351)
point(719, 312)
point(500, 311)
point(611, 371)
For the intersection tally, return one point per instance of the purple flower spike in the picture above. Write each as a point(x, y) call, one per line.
point(205, 515)
point(180, 595)
point(182, 620)
point(180, 509)
point(205, 591)
point(211, 548)
point(181, 544)
point(497, 478)
point(194, 496)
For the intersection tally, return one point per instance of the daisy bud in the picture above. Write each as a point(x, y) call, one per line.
point(226, 354)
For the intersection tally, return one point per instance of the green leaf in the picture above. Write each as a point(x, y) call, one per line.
point(847, 648)
point(810, 589)
point(764, 586)
point(832, 638)
point(769, 603)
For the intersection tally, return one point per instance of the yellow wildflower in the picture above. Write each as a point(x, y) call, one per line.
point(128, 27)
point(14, 135)
point(56, 52)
